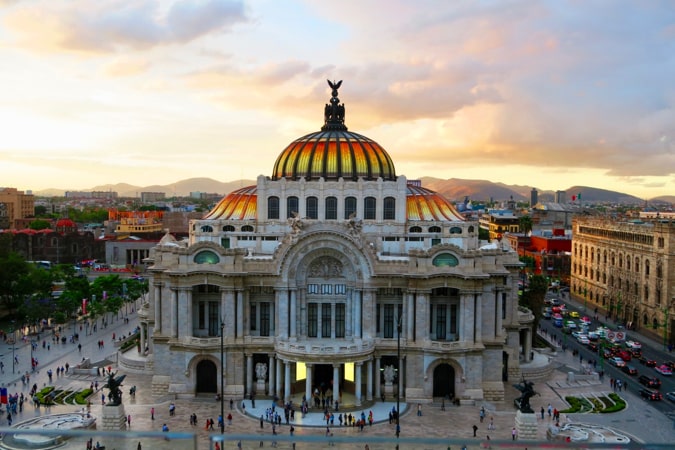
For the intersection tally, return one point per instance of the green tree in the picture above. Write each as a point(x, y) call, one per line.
point(39, 224)
point(15, 283)
point(525, 224)
point(534, 296)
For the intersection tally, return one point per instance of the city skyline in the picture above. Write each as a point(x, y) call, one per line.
point(546, 94)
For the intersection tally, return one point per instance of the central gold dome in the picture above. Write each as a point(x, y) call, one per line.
point(334, 152)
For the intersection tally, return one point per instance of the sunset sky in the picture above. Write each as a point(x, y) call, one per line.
point(548, 94)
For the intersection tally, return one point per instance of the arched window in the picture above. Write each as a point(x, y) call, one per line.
point(350, 207)
point(415, 230)
point(247, 229)
point(228, 228)
point(455, 230)
point(312, 207)
point(436, 229)
point(369, 208)
point(389, 211)
point(292, 207)
point(273, 207)
point(470, 229)
point(331, 208)
point(207, 229)
point(646, 267)
point(445, 260)
point(206, 257)
point(637, 264)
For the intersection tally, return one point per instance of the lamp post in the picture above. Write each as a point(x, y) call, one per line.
point(398, 394)
point(11, 330)
point(222, 378)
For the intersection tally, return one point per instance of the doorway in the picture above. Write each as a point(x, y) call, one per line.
point(444, 381)
point(207, 376)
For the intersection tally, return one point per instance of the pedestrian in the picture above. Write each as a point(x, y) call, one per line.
point(443, 405)
point(419, 410)
point(542, 413)
point(152, 413)
point(491, 425)
point(231, 403)
point(475, 428)
point(129, 421)
point(481, 414)
point(550, 411)
point(514, 433)
point(139, 446)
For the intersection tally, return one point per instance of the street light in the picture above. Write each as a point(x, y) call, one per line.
point(11, 330)
point(222, 378)
point(398, 394)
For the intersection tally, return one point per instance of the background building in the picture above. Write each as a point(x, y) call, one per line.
point(627, 270)
point(318, 272)
point(16, 205)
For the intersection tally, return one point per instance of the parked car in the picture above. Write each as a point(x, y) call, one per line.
point(670, 396)
point(593, 347)
point(650, 394)
point(648, 381)
point(625, 355)
point(647, 362)
point(636, 352)
point(630, 370)
point(633, 344)
point(617, 361)
point(664, 370)
point(583, 339)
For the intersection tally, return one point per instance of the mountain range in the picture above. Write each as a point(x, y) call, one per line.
point(454, 189)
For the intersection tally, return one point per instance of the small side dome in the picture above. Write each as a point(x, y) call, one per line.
point(424, 204)
point(238, 205)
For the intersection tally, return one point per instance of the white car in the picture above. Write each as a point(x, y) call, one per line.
point(617, 361)
point(633, 344)
point(583, 339)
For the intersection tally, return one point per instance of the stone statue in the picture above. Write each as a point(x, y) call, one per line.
point(389, 374)
point(523, 402)
point(295, 222)
point(355, 224)
point(261, 371)
point(114, 387)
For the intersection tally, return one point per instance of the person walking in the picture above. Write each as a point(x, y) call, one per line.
point(514, 433)
point(152, 413)
point(475, 429)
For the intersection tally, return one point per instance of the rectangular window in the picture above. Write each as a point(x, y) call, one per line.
point(331, 208)
point(389, 210)
point(340, 289)
point(435, 241)
point(312, 288)
point(340, 320)
point(265, 319)
point(453, 319)
point(441, 318)
point(312, 320)
point(326, 289)
point(350, 207)
point(312, 208)
point(202, 316)
point(325, 320)
point(388, 321)
point(292, 207)
point(273, 208)
point(369, 208)
point(214, 322)
point(252, 317)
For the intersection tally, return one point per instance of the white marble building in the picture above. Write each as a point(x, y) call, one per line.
point(311, 272)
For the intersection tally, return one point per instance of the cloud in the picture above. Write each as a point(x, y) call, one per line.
point(112, 26)
point(124, 67)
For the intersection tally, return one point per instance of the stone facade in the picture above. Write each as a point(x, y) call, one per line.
point(626, 269)
point(327, 280)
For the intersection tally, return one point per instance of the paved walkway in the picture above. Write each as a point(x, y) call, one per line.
point(639, 421)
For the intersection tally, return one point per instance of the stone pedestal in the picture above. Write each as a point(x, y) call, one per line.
point(114, 418)
point(526, 425)
point(260, 387)
point(388, 389)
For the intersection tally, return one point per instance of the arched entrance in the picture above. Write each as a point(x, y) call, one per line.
point(444, 381)
point(207, 376)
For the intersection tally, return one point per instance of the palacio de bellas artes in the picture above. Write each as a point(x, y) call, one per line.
point(325, 272)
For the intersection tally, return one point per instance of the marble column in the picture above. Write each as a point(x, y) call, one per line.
point(368, 314)
point(478, 317)
point(189, 327)
point(357, 382)
point(294, 313)
point(277, 391)
point(308, 384)
point(349, 307)
point(228, 316)
point(287, 381)
point(249, 374)
point(410, 317)
point(239, 314)
point(421, 326)
point(378, 383)
point(174, 313)
point(369, 380)
point(336, 383)
point(158, 308)
point(144, 326)
point(271, 389)
point(498, 313)
point(183, 324)
point(527, 345)
point(282, 313)
point(358, 302)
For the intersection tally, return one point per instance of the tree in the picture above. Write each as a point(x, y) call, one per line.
point(15, 284)
point(39, 224)
point(525, 224)
point(534, 296)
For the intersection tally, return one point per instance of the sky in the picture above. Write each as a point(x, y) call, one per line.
point(548, 94)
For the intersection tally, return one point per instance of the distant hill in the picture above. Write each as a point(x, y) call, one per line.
point(454, 189)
